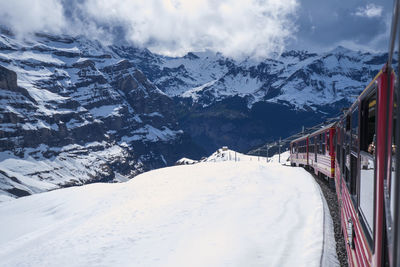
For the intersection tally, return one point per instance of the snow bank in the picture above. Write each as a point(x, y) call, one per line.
point(245, 213)
point(185, 161)
point(231, 155)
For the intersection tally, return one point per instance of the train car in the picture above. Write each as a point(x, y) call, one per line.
point(363, 149)
point(367, 166)
point(322, 153)
point(299, 151)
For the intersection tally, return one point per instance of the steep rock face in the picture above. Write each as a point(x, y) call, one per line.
point(8, 79)
point(72, 112)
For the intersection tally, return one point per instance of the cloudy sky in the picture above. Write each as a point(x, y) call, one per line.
point(237, 28)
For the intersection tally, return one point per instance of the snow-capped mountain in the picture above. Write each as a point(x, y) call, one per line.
point(76, 111)
point(73, 112)
point(298, 78)
point(243, 104)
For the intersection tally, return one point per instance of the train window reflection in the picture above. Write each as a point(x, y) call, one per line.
point(371, 136)
point(328, 141)
point(367, 189)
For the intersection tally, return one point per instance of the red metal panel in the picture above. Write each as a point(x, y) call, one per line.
point(381, 160)
point(361, 255)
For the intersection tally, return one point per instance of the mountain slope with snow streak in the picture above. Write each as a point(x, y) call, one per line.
point(227, 213)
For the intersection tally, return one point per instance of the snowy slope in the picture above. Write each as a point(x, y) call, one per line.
point(227, 213)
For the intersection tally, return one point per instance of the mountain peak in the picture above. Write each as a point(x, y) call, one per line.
point(191, 55)
point(341, 50)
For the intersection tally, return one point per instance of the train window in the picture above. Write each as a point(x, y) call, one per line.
point(367, 162)
point(354, 130)
point(323, 147)
point(327, 141)
point(353, 146)
point(347, 123)
point(342, 152)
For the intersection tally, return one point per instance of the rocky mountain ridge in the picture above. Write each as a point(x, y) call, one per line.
point(72, 113)
point(75, 111)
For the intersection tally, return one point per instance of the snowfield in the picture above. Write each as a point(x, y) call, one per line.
point(222, 213)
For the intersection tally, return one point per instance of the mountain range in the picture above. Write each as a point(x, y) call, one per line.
point(76, 111)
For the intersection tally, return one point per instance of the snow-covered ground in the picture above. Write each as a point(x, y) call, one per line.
point(222, 213)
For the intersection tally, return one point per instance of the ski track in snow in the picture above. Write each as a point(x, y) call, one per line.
point(247, 213)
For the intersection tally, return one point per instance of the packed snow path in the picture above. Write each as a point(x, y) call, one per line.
point(247, 213)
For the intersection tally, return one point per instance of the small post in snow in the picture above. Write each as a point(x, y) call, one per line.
point(267, 152)
point(235, 156)
point(279, 145)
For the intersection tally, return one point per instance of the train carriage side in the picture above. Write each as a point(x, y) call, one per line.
point(361, 166)
point(299, 151)
point(322, 153)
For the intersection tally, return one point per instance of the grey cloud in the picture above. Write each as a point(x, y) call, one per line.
point(354, 23)
point(237, 28)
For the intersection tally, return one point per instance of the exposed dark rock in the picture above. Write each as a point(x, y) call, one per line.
point(8, 79)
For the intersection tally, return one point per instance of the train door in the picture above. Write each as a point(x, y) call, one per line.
point(366, 181)
point(316, 140)
point(347, 150)
point(342, 152)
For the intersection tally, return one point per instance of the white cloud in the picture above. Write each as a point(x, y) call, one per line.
point(369, 11)
point(233, 27)
point(237, 28)
point(27, 16)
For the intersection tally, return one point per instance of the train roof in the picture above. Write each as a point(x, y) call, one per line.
point(323, 128)
point(300, 138)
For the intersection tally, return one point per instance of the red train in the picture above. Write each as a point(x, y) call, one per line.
point(316, 151)
point(357, 155)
